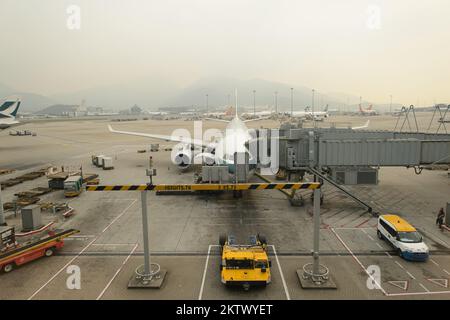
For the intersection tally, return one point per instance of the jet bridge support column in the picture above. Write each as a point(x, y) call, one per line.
point(148, 275)
point(315, 275)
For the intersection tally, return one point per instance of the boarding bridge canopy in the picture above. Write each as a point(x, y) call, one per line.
point(303, 148)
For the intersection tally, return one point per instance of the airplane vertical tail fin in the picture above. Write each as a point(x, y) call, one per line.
point(10, 107)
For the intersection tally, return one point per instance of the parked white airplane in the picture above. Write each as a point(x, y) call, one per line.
point(309, 115)
point(157, 113)
point(217, 114)
point(8, 112)
point(257, 114)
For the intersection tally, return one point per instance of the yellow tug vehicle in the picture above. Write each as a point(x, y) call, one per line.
point(244, 265)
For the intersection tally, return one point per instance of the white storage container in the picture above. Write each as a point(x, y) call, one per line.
point(107, 163)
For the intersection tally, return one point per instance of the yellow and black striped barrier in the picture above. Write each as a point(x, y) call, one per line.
point(206, 187)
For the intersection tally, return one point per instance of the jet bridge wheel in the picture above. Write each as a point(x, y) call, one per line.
point(262, 239)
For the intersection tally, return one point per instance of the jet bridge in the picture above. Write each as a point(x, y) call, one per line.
point(344, 156)
point(333, 150)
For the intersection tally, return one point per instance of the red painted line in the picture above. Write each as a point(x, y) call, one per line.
point(359, 225)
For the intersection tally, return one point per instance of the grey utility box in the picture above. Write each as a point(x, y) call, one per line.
point(31, 217)
point(241, 167)
point(215, 174)
point(354, 176)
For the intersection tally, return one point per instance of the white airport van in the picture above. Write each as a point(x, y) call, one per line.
point(403, 236)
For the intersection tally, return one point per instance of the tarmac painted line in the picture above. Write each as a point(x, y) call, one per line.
point(379, 245)
point(440, 282)
point(354, 228)
point(446, 271)
point(434, 262)
point(120, 215)
point(204, 273)
point(425, 288)
point(286, 291)
point(417, 293)
point(359, 262)
point(362, 223)
point(73, 259)
point(117, 272)
point(404, 269)
point(113, 244)
point(61, 270)
point(400, 265)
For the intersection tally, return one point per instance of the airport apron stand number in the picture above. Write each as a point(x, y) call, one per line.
point(314, 273)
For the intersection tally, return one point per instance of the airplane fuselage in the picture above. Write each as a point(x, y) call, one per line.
point(234, 141)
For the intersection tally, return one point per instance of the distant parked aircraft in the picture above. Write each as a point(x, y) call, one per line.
point(8, 112)
point(310, 115)
point(367, 112)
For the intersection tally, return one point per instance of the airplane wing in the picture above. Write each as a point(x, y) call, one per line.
point(216, 119)
point(162, 137)
point(366, 125)
point(257, 119)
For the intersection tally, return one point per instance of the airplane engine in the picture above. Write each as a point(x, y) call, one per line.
point(182, 157)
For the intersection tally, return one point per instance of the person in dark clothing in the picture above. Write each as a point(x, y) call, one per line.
point(440, 218)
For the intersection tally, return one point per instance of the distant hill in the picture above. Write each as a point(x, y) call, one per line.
point(31, 102)
point(59, 109)
point(150, 93)
point(153, 92)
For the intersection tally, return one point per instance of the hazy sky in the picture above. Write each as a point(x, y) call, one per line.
point(334, 46)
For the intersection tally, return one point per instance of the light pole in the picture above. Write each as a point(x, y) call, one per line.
point(292, 102)
point(390, 105)
point(276, 102)
point(206, 103)
point(312, 108)
point(312, 101)
point(254, 103)
point(228, 100)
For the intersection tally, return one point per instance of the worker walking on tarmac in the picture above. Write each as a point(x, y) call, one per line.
point(440, 218)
